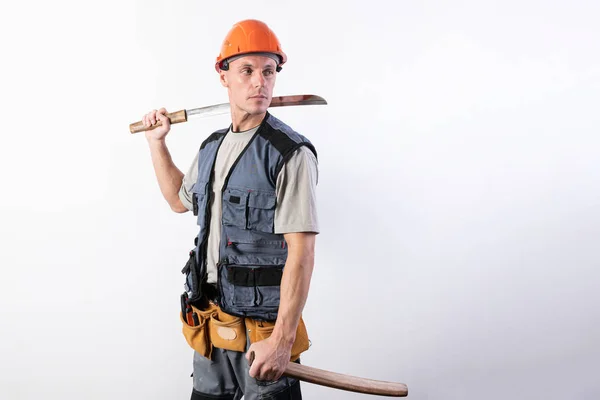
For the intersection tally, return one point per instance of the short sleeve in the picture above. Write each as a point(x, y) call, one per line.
point(189, 179)
point(296, 209)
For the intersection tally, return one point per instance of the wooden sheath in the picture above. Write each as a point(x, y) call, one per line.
point(343, 382)
point(175, 118)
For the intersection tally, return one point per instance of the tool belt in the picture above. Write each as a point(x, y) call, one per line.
point(208, 327)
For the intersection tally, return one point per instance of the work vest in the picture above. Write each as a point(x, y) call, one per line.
point(251, 256)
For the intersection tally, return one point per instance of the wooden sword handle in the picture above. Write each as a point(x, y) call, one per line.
point(343, 382)
point(175, 118)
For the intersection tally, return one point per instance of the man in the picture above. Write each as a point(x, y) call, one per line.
point(252, 187)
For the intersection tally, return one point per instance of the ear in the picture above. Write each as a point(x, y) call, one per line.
point(223, 78)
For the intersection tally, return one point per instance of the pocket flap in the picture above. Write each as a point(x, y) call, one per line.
point(199, 189)
point(262, 200)
point(254, 276)
point(235, 196)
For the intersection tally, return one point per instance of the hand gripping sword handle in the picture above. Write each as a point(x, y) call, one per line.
point(174, 117)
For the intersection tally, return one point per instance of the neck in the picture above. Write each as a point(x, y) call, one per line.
point(242, 121)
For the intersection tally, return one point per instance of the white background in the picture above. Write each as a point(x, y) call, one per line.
point(459, 193)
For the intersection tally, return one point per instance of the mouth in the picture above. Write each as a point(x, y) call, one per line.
point(259, 96)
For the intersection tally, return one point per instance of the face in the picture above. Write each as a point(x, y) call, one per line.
point(249, 82)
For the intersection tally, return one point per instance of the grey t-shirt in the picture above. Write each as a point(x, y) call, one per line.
point(296, 209)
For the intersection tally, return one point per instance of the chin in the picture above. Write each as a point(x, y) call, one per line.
point(257, 109)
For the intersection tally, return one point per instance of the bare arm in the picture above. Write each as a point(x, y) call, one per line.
point(168, 175)
point(294, 285)
point(273, 353)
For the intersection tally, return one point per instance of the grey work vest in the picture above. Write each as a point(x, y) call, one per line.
point(251, 255)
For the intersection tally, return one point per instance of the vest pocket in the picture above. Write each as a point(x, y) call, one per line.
point(234, 207)
point(244, 245)
point(250, 290)
point(190, 270)
point(199, 199)
point(261, 211)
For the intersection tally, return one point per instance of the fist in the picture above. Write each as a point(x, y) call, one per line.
point(151, 120)
point(270, 359)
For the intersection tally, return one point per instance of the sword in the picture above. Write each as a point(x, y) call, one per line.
point(223, 108)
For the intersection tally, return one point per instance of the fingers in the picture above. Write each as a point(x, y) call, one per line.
point(253, 370)
point(163, 118)
point(276, 376)
point(153, 116)
point(262, 366)
point(149, 119)
point(262, 372)
point(269, 375)
point(258, 369)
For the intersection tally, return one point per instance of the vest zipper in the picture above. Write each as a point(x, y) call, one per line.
point(252, 265)
point(231, 243)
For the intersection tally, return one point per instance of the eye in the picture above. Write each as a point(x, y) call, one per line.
point(247, 71)
point(268, 72)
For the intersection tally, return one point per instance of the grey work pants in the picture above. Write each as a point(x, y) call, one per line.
point(226, 377)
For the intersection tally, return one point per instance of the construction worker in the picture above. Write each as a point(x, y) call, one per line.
point(252, 188)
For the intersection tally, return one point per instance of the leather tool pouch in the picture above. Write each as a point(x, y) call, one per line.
point(227, 331)
point(218, 329)
point(259, 330)
point(198, 336)
point(214, 329)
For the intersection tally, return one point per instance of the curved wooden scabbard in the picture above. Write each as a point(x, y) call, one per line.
point(343, 382)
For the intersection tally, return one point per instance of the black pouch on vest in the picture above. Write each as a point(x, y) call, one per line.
point(250, 290)
point(195, 204)
point(192, 283)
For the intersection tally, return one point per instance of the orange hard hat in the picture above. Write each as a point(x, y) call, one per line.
point(249, 36)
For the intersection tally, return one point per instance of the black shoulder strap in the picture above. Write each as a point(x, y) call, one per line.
point(284, 144)
point(291, 152)
point(278, 139)
point(214, 136)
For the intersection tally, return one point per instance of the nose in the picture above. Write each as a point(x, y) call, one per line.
point(258, 79)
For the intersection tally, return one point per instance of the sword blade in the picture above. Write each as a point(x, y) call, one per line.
point(279, 101)
point(208, 111)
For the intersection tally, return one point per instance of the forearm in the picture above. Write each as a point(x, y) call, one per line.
point(168, 175)
point(295, 285)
